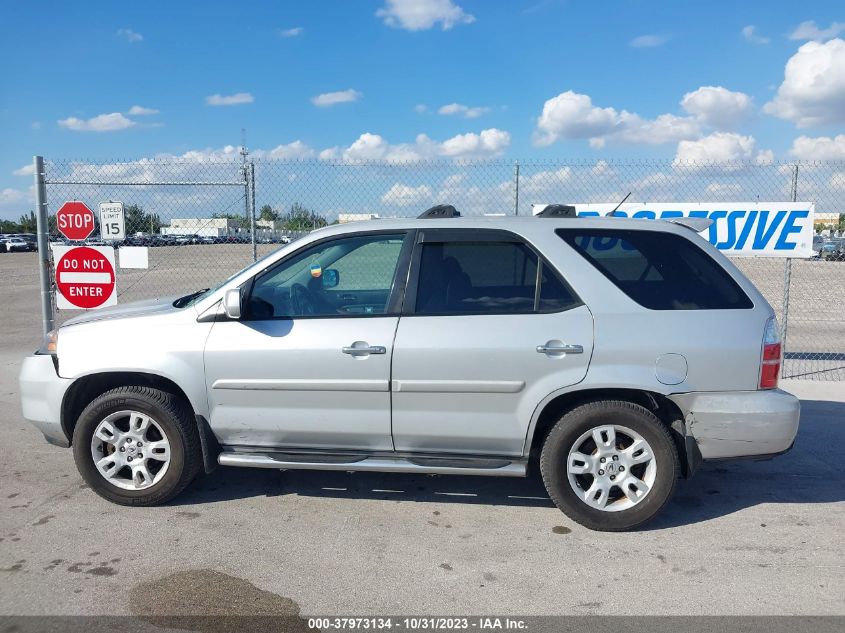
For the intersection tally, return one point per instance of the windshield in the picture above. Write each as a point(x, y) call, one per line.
point(194, 297)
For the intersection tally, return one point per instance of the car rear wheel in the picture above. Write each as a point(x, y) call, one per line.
point(610, 465)
point(137, 446)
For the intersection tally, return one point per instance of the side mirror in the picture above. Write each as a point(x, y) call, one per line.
point(331, 278)
point(232, 303)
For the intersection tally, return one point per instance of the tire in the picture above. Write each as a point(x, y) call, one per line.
point(169, 436)
point(650, 482)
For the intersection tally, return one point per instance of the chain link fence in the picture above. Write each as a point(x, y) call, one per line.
point(204, 219)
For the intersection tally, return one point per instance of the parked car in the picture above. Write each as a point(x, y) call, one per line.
point(619, 353)
point(182, 240)
point(17, 245)
point(833, 250)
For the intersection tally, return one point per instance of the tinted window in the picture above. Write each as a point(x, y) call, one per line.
point(351, 276)
point(660, 271)
point(486, 278)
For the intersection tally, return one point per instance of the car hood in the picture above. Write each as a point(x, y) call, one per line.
point(147, 307)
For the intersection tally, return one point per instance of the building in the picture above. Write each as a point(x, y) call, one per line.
point(205, 227)
point(343, 218)
point(821, 219)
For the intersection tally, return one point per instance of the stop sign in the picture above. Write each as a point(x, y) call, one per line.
point(85, 277)
point(75, 221)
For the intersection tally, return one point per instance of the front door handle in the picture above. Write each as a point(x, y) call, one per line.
point(362, 348)
point(556, 347)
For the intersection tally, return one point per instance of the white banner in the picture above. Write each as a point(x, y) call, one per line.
point(744, 229)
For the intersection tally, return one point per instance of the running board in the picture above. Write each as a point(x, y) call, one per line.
point(427, 465)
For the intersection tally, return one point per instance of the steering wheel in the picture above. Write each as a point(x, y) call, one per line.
point(301, 300)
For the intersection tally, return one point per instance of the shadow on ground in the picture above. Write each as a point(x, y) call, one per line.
point(813, 472)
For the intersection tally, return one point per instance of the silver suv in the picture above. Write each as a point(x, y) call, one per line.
point(617, 353)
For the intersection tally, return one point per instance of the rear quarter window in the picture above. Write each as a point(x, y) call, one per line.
point(660, 271)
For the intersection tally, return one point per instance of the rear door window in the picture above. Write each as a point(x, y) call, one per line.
point(487, 277)
point(660, 271)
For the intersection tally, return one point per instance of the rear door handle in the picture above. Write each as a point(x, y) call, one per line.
point(560, 348)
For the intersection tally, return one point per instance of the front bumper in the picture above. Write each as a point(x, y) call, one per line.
point(42, 392)
point(737, 424)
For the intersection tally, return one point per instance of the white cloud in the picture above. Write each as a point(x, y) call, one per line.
point(724, 188)
point(291, 32)
point(721, 147)
point(129, 35)
point(333, 98)
point(765, 157)
point(717, 107)
point(421, 108)
point(809, 31)
point(35, 125)
point(100, 123)
point(292, 151)
point(420, 15)
point(137, 110)
point(226, 100)
point(404, 195)
point(486, 144)
point(819, 148)
point(490, 142)
point(544, 181)
point(26, 170)
point(462, 110)
point(573, 116)
point(813, 89)
point(15, 202)
point(750, 33)
point(648, 41)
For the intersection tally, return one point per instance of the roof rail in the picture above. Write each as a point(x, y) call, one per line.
point(440, 211)
point(558, 211)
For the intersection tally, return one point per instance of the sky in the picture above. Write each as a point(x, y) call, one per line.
point(418, 79)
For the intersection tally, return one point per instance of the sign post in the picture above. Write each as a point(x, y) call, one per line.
point(75, 221)
point(112, 222)
point(85, 276)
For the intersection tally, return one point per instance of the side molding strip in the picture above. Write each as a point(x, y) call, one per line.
point(458, 386)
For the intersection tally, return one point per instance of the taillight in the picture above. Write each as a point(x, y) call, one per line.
point(770, 359)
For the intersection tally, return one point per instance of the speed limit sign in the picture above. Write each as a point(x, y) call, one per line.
point(112, 222)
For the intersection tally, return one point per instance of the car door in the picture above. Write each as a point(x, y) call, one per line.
point(308, 365)
point(488, 330)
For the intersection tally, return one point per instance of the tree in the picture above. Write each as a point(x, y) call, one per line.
point(28, 223)
point(139, 221)
point(299, 218)
point(267, 213)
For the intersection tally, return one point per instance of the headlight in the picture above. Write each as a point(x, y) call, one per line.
point(48, 345)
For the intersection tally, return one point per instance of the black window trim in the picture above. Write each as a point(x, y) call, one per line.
point(561, 233)
point(441, 235)
point(397, 290)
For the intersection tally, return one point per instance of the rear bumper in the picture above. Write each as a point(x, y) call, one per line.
point(738, 424)
point(42, 392)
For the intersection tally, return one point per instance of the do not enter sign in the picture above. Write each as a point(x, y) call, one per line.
point(85, 276)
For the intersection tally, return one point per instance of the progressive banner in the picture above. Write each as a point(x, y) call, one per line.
point(740, 229)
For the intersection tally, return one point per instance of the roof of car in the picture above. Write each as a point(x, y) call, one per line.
point(519, 224)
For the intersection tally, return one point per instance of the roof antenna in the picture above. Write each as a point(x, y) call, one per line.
point(613, 213)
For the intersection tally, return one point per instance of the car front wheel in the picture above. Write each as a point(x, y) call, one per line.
point(609, 465)
point(137, 446)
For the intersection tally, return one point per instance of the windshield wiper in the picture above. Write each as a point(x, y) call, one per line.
point(181, 302)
